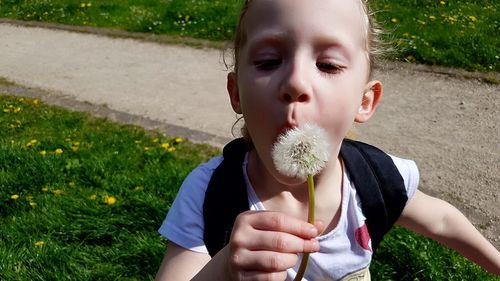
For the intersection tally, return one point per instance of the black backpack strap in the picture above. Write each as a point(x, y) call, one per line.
point(377, 180)
point(379, 185)
point(225, 198)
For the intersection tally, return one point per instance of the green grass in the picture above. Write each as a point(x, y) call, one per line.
point(63, 165)
point(456, 33)
point(57, 168)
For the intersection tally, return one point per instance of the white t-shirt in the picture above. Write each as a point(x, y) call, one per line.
point(343, 250)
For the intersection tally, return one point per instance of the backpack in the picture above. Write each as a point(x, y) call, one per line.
point(377, 180)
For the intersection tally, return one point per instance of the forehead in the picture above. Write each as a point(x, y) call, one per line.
point(344, 19)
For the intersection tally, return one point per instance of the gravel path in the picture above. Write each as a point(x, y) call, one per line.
point(447, 123)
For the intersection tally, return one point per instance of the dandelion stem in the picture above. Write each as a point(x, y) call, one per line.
point(310, 219)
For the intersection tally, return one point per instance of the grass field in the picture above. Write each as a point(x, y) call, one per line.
point(81, 198)
point(458, 33)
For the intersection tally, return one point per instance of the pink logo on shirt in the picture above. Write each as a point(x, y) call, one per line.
point(363, 237)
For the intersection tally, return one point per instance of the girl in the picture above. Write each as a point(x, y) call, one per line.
point(298, 62)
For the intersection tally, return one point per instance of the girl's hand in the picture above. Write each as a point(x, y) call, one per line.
point(265, 244)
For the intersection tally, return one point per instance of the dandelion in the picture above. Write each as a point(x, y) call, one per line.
point(442, 3)
point(14, 197)
point(31, 143)
point(39, 243)
point(179, 140)
point(109, 200)
point(472, 18)
point(58, 151)
point(432, 17)
point(43, 152)
point(57, 192)
point(33, 204)
point(302, 152)
point(171, 149)
point(36, 102)
point(394, 20)
point(165, 145)
point(93, 197)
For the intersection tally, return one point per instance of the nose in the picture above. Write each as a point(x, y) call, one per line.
point(296, 86)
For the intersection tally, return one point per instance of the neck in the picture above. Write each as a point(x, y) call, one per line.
point(269, 185)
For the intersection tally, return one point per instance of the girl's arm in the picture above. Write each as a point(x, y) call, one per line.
point(444, 223)
point(263, 246)
point(180, 263)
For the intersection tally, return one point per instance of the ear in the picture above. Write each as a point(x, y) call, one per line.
point(232, 90)
point(370, 101)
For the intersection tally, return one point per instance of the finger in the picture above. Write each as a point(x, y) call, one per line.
point(265, 261)
point(266, 276)
point(280, 242)
point(275, 221)
point(320, 225)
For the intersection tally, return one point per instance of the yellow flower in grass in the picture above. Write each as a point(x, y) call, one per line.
point(179, 140)
point(109, 200)
point(33, 204)
point(442, 3)
point(472, 18)
point(58, 151)
point(39, 243)
point(14, 197)
point(57, 192)
point(171, 149)
point(165, 145)
point(45, 189)
point(31, 143)
point(43, 152)
point(36, 102)
point(93, 197)
point(394, 20)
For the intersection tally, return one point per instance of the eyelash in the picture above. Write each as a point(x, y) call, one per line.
point(329, 68)
point(267, 64)
point(324, 67)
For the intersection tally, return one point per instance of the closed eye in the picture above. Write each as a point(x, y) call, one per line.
point(329, 68)
point(267, 64)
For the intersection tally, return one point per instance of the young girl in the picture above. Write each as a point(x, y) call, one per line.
point(298, 62)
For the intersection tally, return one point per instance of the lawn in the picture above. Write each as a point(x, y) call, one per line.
point(458, 33)
point(81, 198)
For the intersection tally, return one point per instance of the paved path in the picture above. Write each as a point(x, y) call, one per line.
point(180, 86)
point(448, 124)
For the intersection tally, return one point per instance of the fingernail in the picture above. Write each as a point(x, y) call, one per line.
point(313, 231)
point(315, 245)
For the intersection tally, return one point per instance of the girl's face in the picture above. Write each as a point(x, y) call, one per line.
point(302, 61)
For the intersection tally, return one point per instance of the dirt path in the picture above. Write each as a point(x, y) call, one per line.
point(445, 122)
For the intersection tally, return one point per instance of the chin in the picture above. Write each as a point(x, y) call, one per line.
point(290, 181)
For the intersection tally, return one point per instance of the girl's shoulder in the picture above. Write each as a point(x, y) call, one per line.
point(203, 172)
point(409, 172)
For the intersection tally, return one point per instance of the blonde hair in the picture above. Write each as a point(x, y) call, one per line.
point(373, 43)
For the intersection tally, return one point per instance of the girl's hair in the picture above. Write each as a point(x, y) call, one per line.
point(373, 47)
point(372, 39)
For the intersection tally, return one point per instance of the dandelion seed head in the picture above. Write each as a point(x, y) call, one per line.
point(301, 151)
